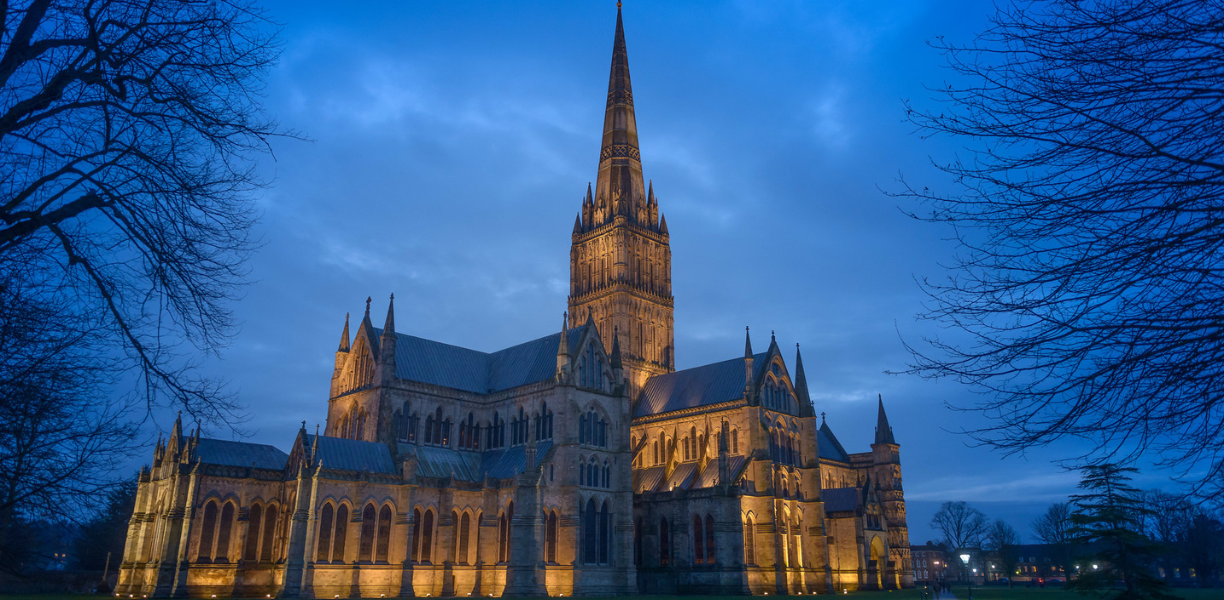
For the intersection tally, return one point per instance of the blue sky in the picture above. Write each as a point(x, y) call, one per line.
point(452, 142)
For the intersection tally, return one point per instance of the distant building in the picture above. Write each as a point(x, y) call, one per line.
point(579, 463)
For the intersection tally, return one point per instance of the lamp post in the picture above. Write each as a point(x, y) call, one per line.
point(965, 558)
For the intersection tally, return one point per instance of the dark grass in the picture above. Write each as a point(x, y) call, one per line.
point(979, 593)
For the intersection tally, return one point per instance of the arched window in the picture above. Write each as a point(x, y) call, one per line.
point(361, 419)
point(323, 554)
point(338, 540)
point(502, 532)
point(735, 441)
point(223, 533)
point(429, 429)
point(582, 429)
point(427, 526)
point(414, 549)
point(369, 521)
point(655, 453)
point(605, 534)
point(590, 537)
point(607, 475)
point(709, 539)
point(637, 541)
point(412, 428)
point(465, 530)
point(698, 541)
point(664, 542)
point(550, 537)
point(208, 528)
point(269, 534)
point(749, 542)
point(384, 535)
point(582, 472)
point(251, 552)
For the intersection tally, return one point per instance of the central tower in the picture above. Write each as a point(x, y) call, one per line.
point(620, 260)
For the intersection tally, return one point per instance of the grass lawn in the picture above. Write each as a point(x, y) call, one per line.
point(979, 593)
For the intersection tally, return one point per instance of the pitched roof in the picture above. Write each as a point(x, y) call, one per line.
point(434, 461)
point(427, 361)
point(840, 499)
point(828, 446)
point(353, 455)
point(240, 454)
point(698, 386)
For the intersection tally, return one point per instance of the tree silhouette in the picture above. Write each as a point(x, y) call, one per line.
point(1087, 297)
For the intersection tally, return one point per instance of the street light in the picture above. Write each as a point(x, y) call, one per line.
point(965, 558)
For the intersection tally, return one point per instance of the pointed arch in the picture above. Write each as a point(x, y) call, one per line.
point(369, 521)
point(605, 534)
point(323, 551)
point(427, 527)
point(208, 526)
point(664, 542)
point(709, 539)
point(749, 541)
point(224, 530)
point(254, 520)
point(383, 548)
point(269, 533)
point(415, 543)
point(550, 537)
point(590, 535)
point(341, 535)
point(698, 541)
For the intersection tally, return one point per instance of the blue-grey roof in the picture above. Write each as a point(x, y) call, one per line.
point(828, 446)
point(698, 386)
point(840, 499)
point(240, 454)
point(427, 361)
point(433, 461)
point(685, 476)
point(353, 455)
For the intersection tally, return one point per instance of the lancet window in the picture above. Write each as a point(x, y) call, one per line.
point(332, 534)
point(593, 430)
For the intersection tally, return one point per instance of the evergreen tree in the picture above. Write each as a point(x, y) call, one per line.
point(1108, 517)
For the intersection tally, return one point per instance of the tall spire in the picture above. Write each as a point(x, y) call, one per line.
point(389, 326)
point(747, 343)
point(344, 337)
point(883, 433)
point(619, 188)
point(801, 386)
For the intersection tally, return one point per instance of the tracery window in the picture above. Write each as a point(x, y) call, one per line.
point(469, 433)
point(593, 429)
point(332, 535)
point(215, 533)
point(375, 534)
point(496, 437)
point(383, 548)
point(544, 424)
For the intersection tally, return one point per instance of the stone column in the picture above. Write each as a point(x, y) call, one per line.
point(299, 559)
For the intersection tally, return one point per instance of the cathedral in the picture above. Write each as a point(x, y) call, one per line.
point(578, 463)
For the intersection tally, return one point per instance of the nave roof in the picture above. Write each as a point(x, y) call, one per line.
point(436, 363)
point(698, 386)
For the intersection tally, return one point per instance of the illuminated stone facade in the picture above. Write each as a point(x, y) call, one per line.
point(579, 463)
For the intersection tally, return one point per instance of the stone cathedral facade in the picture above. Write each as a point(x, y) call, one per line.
point(578, 463)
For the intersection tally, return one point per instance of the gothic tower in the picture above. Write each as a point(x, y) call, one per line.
point(620, 260)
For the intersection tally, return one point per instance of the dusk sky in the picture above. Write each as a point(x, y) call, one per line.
point(451, 145)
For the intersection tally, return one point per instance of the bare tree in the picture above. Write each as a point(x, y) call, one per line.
point(1087, 295)
point(1054, 526)
point(961, 525)
point(62, 429)
point(1003, 539)
point(128, 130)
